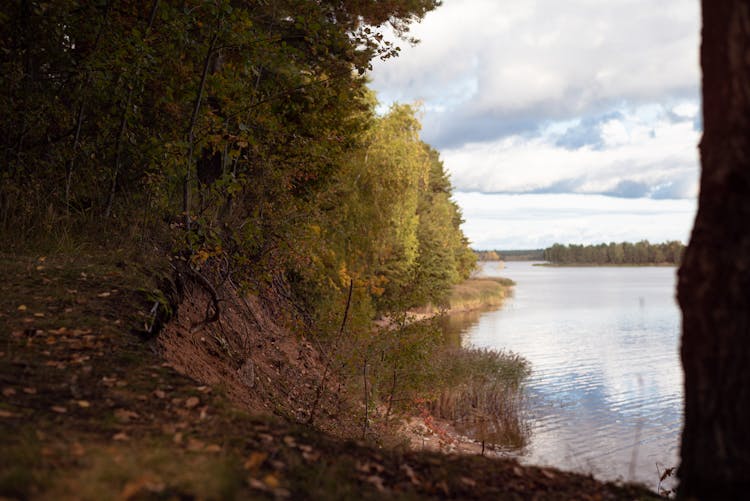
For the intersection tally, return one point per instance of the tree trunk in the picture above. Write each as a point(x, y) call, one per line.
point(714, 280)
point(191, 128)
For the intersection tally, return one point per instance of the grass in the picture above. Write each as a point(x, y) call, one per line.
point(150, 470)
point(22, 469)
point(479, 293)
point(421, 370)
point(472, 294)
point(481, 394)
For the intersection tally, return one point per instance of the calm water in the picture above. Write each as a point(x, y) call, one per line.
point(605, 395)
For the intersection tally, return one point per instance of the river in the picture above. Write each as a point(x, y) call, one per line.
point(605, 394)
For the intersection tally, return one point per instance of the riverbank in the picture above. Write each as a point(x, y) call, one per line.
point(95, 407)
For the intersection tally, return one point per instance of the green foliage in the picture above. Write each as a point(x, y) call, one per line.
point(244, 132)
point(624, 253)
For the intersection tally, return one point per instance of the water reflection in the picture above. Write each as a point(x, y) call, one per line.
point(605, 395)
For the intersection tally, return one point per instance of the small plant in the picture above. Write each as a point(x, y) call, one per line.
point(664, 475)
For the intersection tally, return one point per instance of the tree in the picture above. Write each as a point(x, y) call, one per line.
point(714, 279)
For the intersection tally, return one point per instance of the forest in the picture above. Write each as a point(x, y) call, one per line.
point(623, 253)
point(234, 132)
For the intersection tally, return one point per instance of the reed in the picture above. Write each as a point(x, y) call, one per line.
point(481, 394)
point(479, 293)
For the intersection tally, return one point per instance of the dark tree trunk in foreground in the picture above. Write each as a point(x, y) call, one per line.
point(714, 283)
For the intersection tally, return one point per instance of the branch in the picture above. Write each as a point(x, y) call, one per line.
point(202, 280)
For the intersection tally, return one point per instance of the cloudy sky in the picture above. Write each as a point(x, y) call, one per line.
point(572, 122)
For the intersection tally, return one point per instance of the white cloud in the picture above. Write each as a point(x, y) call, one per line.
point(634, 147)
point(523, 59)
point(538, 221)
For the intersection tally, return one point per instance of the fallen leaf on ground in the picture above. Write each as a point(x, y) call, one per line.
point(160, 394)
point(413, 478)
point(7, 414)
point(468, 481)
point(22, 307)
point(121, 437)
point(255, 460)
point(377, 482)
point(83, 404)
point(146, 484)
point(124, 415)
point(76, 449)
point(195, 445)
point(8, 392)
point(30, 391)
point(256, 484)
point(443, 486)
point(59, 409)
point(213, 448)
point(192, 402)
point(177, 438)
point(103, 294)
point(367, 467)
point(271, 481)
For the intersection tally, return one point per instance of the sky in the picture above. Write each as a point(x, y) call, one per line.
point(569, 122)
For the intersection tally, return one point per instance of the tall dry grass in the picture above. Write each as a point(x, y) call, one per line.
point(481, 395)
point(479, 293)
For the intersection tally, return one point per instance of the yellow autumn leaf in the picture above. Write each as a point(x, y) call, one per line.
point(255, 460)
point(271, 481)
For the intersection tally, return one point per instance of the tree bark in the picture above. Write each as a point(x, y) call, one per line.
point(714, 280)
point(191, 129)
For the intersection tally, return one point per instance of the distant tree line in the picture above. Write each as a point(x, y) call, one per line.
point(642, 252)
point(510, 255)
point(522, 255)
